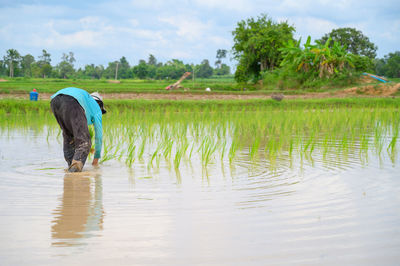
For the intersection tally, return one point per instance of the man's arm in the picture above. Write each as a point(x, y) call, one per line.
point(98, 139)
point(95, 162)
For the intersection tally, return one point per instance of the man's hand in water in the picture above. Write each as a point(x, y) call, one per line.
point(95, 162)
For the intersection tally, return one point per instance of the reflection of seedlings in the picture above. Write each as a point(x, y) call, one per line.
point(49, 168)
point(255, 147)
point(232, 151)
point(145, 177)
point(223, 149)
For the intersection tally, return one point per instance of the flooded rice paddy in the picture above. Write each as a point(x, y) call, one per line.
point(266, 188)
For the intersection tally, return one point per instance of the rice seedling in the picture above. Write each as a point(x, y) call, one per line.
point(153, 131)
point(130, 156)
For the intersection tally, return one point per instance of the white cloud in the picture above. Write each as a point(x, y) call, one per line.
point(91, 22)
point(236, 5)
point(181, 54)
point(221, 41)
point(312, 26)
point(153, 4)
point(313, 5)
point(188, 28)
point(133, 22)
point(68, 41)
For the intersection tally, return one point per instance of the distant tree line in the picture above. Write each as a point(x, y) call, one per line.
point(264, 49)
point(14, 64)
point(389, 66)
point(267, 50)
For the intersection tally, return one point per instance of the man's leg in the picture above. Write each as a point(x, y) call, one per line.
point(72, 120)
point(82, 141)
point(69, 149)
point(59, 106)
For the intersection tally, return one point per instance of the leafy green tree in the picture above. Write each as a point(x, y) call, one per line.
point(93, 72)
point(222, 70)
point(354, 41)
point(66, 66)
point(141, 70)
point(241, 74)
point(363, 63)
point(204, 70)
point(172, 69)
point(152, 60)
point(46, 70)
point(65, 70)
point(26, 64)
point(161, 72)
point(36, 70)
point(393, 65)
point(45, 57)
point(80, 74)
point(44, 64)
point(90, 71)
point(3, 68)
point(99, 70)
point(111, 72)
point(12, 60)
point(257, 43)
point(124, 69)
point(151, 71)
point(115, 70)
point(389, 66)
point(221, 53)
point(70, 58)
point(380, 66)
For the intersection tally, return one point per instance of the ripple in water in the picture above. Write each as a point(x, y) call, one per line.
point(317, 209)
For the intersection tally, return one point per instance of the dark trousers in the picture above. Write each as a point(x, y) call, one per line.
point(72, 119)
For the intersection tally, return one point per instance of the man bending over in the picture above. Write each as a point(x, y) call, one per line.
point(76, 109)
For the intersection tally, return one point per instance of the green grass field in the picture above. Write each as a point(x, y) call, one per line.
point(217, 85)
point(117, 106)
point(21, 85)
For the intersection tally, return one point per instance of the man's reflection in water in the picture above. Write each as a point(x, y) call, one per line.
point(81, 211)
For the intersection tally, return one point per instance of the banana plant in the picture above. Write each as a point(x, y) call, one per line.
point(316, 59)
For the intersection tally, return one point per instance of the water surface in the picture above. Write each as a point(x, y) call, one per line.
point(316, 209)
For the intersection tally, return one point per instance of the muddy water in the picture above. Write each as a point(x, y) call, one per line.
point(321, 210)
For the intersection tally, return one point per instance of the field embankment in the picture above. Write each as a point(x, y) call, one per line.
point(220, 89)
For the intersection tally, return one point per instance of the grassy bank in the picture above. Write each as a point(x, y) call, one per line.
point(26, 106)
point(22, 85)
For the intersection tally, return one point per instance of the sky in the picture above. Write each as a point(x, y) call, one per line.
point(102, 31)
